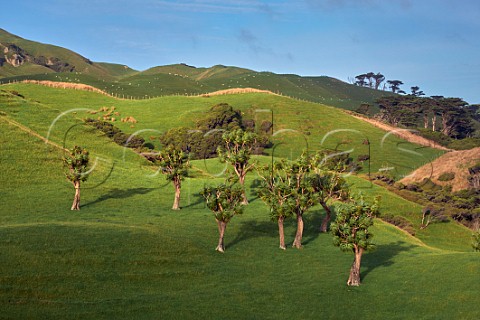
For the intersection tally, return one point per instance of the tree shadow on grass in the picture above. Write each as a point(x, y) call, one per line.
point(195, 200)
point(383, 256)
point(254, 229)
point(311, 226)
point(119, 194)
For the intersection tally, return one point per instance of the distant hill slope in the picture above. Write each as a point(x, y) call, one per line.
point(456, 162)
point(19, 56)
point(22, 59)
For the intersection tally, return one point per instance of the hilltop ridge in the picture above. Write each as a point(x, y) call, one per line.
point(22, 59)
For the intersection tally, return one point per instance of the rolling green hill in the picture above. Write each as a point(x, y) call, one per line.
point(24, 57)
point(127, 255)
point(300, 125)
point(27, 59)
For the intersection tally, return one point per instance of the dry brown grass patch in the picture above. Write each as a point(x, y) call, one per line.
point(236, 91)
point(65, 85)
point(403, 133)
point(456, 162)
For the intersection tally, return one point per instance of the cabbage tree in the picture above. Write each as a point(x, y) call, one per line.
point(76, 171)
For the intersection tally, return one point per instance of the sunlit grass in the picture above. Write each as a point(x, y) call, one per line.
point(125, 254)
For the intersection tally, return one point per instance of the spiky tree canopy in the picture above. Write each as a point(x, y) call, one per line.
point(237, 149)
point(174, 163)
point(287, 186)
point(351, 227)
point(76, 162)
point(277, 188)
point(224, 200)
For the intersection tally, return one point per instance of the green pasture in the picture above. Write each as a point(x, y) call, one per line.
point(298, 125)
point(126, 255)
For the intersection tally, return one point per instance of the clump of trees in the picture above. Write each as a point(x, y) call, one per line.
point(117, 135)
point(76, 170)
point(202, 141)
point(287, 188)
point(377, 81)
point(370, 80)
point(351, 232)
point(291, 188)
point(451, 118)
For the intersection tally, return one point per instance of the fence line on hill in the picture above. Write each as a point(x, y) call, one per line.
point(121, 96)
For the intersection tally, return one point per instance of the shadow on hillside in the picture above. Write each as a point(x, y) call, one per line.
point(195, 200)
point(311, 226)
point(383, 256)
point(254, 229)
point(119, 194)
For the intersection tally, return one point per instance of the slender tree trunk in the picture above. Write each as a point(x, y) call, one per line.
point(434, 122)
point(354, 278)
point(281, 234)
point(446, 127)
point(297, 243)
point(328, 217)
point(222, 225)
point(76, 199)
point(241, 180)
point(425, 120)
point(176, 201)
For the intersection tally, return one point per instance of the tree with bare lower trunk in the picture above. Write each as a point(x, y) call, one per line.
point(174, 163)
point(289, 192)
point(236, 150)
point(351, 232)
point(303, 193)
point(395, 85)
point(76, 163)
point(276, 191)
point(225, 201)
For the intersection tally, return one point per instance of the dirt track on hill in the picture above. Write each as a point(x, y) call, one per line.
point(403, 133)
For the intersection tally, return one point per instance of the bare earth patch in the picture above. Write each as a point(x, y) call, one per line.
point(456, 162)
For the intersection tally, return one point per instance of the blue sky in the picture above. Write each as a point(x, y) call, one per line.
point(431, 44)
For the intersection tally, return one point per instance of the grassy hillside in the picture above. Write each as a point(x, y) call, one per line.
point(126, 255)
point(39, 54)
point(185, 80)
point(298, 125)
point(117, 70)
point(48, 62)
